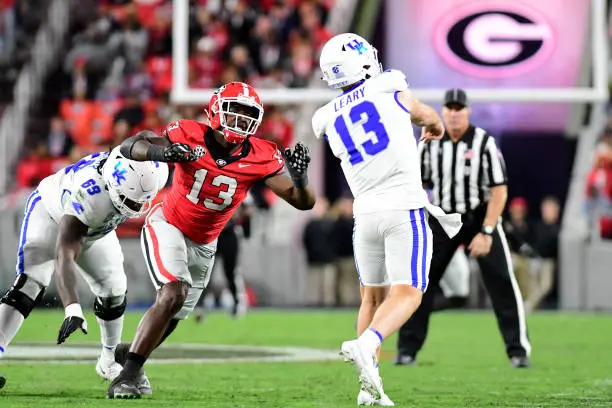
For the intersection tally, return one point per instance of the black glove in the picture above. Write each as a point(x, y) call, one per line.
point(74, 320)
point(528, 251)
point(69, 326)
point(176, 152)
point(297, 164)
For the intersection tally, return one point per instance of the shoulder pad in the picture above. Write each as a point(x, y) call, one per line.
point(269, 154)
point(185, 131)
point(389, 81)
point(320, 119)
point(264, 144)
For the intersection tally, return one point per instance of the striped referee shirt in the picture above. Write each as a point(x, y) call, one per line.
point(461, 173)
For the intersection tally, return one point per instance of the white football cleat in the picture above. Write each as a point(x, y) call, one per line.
point(107, 368)
point(144, 386)
point(365, 399)
point(364, 362)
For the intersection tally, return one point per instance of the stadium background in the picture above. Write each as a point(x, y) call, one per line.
point(80, 76)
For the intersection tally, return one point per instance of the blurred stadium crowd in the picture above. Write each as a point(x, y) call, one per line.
point(116, 77)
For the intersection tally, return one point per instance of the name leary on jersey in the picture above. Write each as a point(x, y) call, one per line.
point(79, 190)
point(350, 97)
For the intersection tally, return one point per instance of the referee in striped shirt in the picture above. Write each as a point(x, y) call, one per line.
point(467, 175)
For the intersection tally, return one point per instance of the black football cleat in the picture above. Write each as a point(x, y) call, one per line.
point(122, 388)
point(2, 381)
point(404, 359)
point(520, 362)
point(121, 352)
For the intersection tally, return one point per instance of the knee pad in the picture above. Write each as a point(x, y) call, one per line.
point(24, 295)
point(110, 308)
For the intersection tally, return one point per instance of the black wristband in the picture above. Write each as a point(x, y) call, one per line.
point(156, 153)
point(487, 230)
point(301, 181)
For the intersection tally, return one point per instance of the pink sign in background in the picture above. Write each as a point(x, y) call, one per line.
point(491, 44)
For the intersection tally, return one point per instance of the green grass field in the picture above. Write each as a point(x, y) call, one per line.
point(463, 365)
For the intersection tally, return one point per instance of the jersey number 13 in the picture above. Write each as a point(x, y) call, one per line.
point(371, 124)
point(221, 180)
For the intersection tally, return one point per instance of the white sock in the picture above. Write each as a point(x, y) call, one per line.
point(110, 331)
point(10, 322)
point(370, 338)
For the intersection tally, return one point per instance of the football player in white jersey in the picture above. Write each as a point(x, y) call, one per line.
point(368, 127)
point(70, 219)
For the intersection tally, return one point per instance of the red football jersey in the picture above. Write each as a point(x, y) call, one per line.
point(205, 193)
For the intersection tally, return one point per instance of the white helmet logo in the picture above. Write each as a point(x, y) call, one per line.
point(119, 172)
point(358, 46)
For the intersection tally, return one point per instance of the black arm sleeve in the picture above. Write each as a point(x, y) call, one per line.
point(138, 147)
point(128, 144)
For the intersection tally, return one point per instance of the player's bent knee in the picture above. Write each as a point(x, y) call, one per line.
point(172, 296)
point(24, 295)
point(373, 295)
point(110, 308)
point(408, 292)
point(171, 304)
point(114, 286)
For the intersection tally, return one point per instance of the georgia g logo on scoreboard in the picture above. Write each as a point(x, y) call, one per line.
point(494, 39)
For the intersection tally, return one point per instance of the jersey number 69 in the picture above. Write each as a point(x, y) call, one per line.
point(372, 124)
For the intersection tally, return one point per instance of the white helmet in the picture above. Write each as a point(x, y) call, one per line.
point(132, 185)
point(347, 59)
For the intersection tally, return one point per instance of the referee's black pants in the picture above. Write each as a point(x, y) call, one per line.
point(498, 278)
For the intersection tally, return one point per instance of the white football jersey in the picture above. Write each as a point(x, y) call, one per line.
point(371, 133)
point(79, 190)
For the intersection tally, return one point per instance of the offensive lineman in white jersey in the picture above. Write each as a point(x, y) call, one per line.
point(70, 219)
point(368, 127)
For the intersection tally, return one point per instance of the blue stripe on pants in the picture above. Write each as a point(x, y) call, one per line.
point(30, 204)
point(424, 264)
point(415, 249)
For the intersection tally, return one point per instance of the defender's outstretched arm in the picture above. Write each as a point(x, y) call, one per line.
point(146, 145)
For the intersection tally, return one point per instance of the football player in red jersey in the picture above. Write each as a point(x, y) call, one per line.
point(216, 164)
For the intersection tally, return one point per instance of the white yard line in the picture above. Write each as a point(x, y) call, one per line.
point(83, 353)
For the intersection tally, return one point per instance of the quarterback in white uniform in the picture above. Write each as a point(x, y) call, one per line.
point(368, 127)
point(70, 219)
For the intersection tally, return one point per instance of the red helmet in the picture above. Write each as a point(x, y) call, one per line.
point(242, 103)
